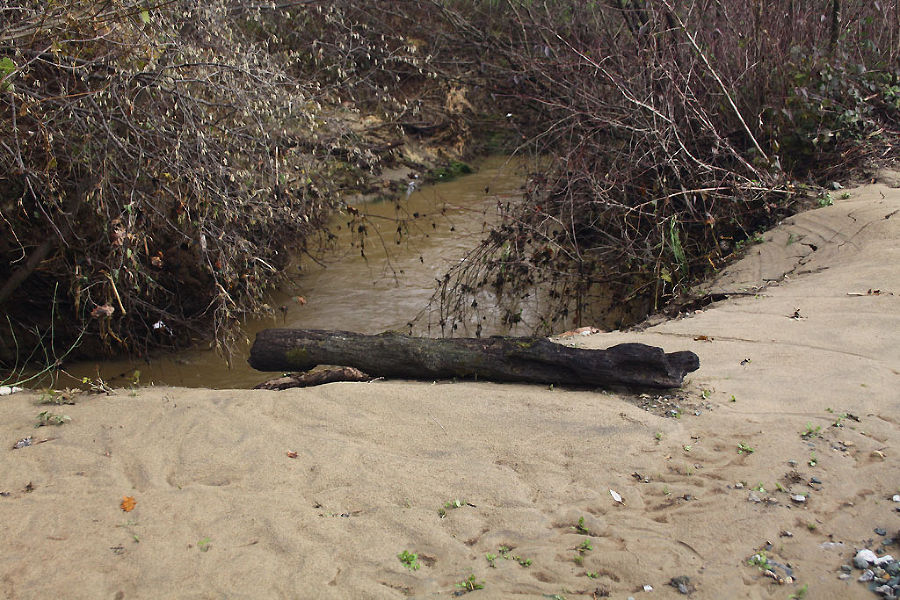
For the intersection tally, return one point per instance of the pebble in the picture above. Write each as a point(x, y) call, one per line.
point(885, 590)
point(881, 531)
point(844, 576)
point(648, 588)
point(896, 498)
point(753, 498)
point(740, 486)
point(846, 568)
point(798, 498)
point(792, 462)
point(815, 480)
point(877, 454)
point(868, 575)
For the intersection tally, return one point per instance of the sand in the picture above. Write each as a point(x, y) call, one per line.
point(223, 512)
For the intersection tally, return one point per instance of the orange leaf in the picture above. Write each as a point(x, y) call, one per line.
point(128, 503)
point(291, 454)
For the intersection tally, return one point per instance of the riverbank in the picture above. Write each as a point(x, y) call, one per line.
point(787, 436)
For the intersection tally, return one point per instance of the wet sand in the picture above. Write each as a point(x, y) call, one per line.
point(222, 511)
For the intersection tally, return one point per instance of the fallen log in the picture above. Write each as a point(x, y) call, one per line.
point(522, 359)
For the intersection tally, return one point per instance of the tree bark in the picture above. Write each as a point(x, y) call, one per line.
point(534, 360)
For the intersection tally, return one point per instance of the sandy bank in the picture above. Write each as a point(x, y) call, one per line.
point(223, 512)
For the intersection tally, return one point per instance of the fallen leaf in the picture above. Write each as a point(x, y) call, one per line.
point(702, 338)
point(103, 311)
point(128, 503)
point(615, 496)
point(291, 454)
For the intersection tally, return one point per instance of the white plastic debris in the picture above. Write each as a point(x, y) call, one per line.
point(6, 390)
point(896, 498)
point(615, 496)
point(648, 588)
point(865, 555)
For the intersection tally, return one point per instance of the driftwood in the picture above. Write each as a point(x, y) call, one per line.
point(315, 377)
point(534, 360)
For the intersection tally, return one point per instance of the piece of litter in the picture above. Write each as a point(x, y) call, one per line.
point(6, 390)
point(648, 588)
point(291, 454)
point(615, 496)
point(23, 443)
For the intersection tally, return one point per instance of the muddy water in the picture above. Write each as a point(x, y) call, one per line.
point(382, 291)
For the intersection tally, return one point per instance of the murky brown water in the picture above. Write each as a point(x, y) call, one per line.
point(383, 291)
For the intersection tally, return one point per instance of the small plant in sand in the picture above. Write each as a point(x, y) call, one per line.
point(658, 436)
point(759, 488)
point(469, 584)
point(824, 200)
point(813, 461)
point(592, 575)
point(491, 558)
point(759, 560)
point(205, 544)
point(525, 562)
point(409, 560)
point(800, 594)
point(504, 552)
point(58, 397)
point(585, 546)
point(811, 432)
point(580, 527)
point(743, 448)
point(46, 418)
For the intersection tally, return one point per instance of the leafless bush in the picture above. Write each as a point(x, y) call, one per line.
point(158, 164)
point(673, 131)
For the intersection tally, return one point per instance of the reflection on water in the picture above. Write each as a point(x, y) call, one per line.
point(382, 291)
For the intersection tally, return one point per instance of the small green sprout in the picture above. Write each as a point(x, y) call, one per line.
point(759, 560)
point(811, 432)
point(585, 546)
point(580, 527)
point(204, 545)
point(592, 574)
point(469, 584)
point(409, 559)
point(491, 558)
point(743, 448)
point(46, 418)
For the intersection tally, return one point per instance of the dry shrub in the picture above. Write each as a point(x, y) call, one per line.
point(667, 134)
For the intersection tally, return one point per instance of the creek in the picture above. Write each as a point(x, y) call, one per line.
point(383, 290)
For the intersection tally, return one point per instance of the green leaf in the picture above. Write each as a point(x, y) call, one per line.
point(145, 17)
point(7, 66)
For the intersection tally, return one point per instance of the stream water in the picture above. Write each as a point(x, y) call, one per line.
point(382, 291)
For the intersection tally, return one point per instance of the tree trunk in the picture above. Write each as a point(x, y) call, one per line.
point(534, 360)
